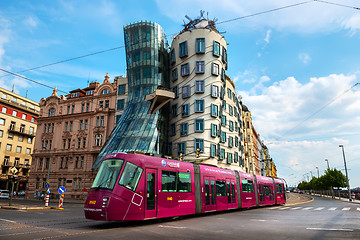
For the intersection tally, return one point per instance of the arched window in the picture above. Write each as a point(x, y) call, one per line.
point(105, 91)
point(98, 140)
point(52, 112)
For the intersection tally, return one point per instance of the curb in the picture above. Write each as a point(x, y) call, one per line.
point(27, 208)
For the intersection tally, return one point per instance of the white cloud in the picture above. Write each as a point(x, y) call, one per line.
point(352, 23)
point(31, 22)
point(304, 57)
point(267, 38)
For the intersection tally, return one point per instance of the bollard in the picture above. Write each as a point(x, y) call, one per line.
point(47, 200)
point(61, 202)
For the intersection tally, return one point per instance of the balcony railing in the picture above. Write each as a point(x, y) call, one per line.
point(22, 131)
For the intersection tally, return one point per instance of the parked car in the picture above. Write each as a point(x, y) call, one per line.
point(4, 194)
point(21, 193)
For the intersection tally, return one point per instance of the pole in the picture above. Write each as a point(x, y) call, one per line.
point(311, 174)
point(12, 191)
point(327, 161)
point(347, 176)
point(318, 172)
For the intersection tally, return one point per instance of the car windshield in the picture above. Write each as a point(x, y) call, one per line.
point(130, 176)
point(108, 174)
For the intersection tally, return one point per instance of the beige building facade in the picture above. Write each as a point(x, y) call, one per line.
point(72, 130)
point(18, 126)
point(205, 113)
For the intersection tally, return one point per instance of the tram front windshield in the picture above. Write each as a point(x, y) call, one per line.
point(108, 174)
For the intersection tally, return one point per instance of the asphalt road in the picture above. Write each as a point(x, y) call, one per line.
point(318, 219)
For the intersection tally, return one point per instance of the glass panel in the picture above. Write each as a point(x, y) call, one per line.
point(207, 192)
point(233, 192)
point(130, 176)
point(108, 174)
point(220, 189)
point(168, 181)
point(213, 192)
point(228, 192)
point(184, 182)
point(150, 198)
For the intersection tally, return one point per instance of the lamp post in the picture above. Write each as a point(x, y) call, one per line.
point(347, 178)
point(327, 161)
point(318, 172)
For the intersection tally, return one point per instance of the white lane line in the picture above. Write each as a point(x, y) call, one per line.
point(163, 226)
point(5, 220)
point(274, 208)
point(296, 208)
point(284, 208)
point(346, 209)
point(13, 234)
point(332, 229)
point(332, 209)
point(358, 209)
point(319, 208)
point(308, 208)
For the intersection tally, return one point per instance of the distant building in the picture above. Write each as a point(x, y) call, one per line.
point(121, 98)
point(18, 126)
point(71, 131)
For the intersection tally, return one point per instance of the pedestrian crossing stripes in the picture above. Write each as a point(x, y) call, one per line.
point(317, 208)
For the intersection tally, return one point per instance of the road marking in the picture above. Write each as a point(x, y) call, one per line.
point(263, 220)
point(163, 226)
point(308, 208)
point(346, 209)
point(295, 208)
point(319, 208)
point(332, 209)
point(332, 229)
point(284, 208)
point(5, 220)
point(274, 207)
point(358, 209)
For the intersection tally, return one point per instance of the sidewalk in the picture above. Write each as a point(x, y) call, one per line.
point(295, 199)
point(336, 198)
point(35, 204)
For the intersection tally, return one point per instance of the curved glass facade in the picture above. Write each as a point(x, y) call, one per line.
point(147, 69)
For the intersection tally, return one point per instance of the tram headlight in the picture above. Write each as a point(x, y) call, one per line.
point(105, 201)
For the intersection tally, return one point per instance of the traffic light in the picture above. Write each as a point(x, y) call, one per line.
point(197, 155)
point(181, 157)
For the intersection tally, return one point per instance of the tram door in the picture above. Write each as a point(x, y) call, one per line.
point(230, 187)
point(210, 194)
point(151, 193)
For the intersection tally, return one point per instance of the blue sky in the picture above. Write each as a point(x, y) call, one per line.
point(286, 64)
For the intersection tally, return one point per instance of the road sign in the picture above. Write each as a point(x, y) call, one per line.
point(47, 185)
point(14, 170)
point(48, 192)
point(61, 189)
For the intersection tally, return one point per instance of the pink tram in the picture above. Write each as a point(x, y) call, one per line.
point(132, 187)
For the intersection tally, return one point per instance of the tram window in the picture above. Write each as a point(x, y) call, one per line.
point(220, 189)
point(108, 174)
point(247, 186)
point(130, 176)
point(184, 182)
point(279, 188)
point(168, 181)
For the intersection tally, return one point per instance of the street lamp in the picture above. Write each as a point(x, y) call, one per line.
point(347, 178)
point(318, 172)
point(327, 161)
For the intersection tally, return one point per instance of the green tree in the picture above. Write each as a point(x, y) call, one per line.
point(334, 178)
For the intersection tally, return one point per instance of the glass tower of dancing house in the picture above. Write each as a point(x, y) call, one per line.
point(139, 129)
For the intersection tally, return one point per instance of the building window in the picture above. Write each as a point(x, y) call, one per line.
point(4, 109)
point(70, 125)
point(199, 86)
point(68, 110)
point(101, 104)
point(79, 143)
point(200, 67)
point(224, 55)
point(121, 89)
point(172, 56)
point(216, 49)
point(199, 105)
point(174, 74)
point(76, 94)
point(181, 148)
point(18, 149)
point(231, 110)
point(176, 91)
point(199, 144)
point(87, 107)
point(183, 49)
point(236, 157)
point(2, 121)
point(200, 45)
point(98, 140)
point(215, 69)
point(214, 130)
point(86, 124)
point(186, 91)
point(223, 120)
point(102, 121)
point(222, 153)
point(84, 142)
point(82, 107)
point(14, 113)
point(213, 150)
point(214, 110)
point(107, 103)
point(24, 116)
point(229, 93)
point(105, 91)
point(90, 92)
point(214, 91)
point(199, 125)
point(231, 126)
point(120, 104)
point(8, 147)
point(174, 112)
point(6, 160)
point(223, 137)
point(51, 112)
point(28, 151)
point(22, 128)
point(81, 124)
point(222, 74)
point(229, 158)
point(231, 141)
point(10, 135)
point(185, 110)
point(147, 72)
point(72, 109)
point(185, 69)
point(1, 133)
point(173, 129)
point(183, 129)
point(29, 140)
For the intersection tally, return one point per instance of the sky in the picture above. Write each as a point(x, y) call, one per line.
point(296, 68)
